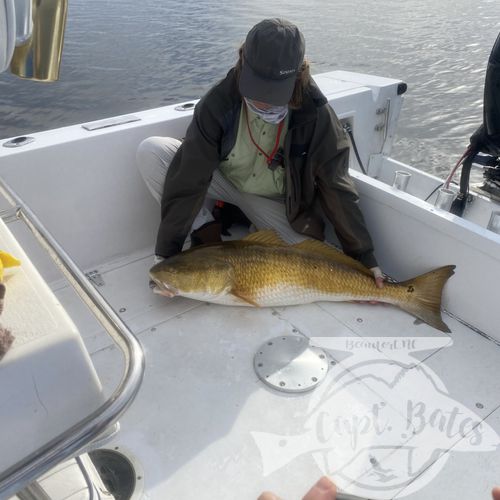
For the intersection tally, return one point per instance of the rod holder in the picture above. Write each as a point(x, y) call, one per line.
point(494, 223)
point(401, 180)
point(444, 199)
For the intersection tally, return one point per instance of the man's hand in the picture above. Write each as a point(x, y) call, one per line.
point(496, 493)
point(379, 277)
point(379, 281)
point(324, 489)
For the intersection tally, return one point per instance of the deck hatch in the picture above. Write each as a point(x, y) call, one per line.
point(289, 364)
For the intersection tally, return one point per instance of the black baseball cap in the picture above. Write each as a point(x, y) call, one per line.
point(272, 56)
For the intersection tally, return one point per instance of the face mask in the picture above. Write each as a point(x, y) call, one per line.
point(273, 114)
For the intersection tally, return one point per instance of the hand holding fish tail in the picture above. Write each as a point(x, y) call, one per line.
point(379, 281)
point(378, 275)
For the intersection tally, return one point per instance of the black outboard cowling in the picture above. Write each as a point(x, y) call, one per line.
point(486, 138)
point(484, 146)
point(492, 99)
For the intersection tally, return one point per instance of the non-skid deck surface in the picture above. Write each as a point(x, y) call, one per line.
point(203, 426)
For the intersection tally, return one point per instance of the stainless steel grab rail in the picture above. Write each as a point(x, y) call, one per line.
point(74, 439)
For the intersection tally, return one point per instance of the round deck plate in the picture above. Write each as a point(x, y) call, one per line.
point(290, 364)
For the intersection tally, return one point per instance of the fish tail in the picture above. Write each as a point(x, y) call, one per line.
point(426, 291)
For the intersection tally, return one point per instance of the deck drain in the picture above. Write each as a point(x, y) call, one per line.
point(117, 473)
point(290, 364)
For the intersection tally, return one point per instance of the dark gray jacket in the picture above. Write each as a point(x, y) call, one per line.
point(316, 160)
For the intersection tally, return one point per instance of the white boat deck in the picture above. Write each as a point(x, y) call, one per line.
point(193, 428)
point(191, 425)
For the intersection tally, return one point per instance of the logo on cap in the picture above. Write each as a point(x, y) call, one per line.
point(287, 71)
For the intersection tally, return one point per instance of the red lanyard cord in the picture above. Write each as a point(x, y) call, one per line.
point(269, 158)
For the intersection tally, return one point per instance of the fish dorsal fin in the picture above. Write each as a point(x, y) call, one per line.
point(320, 248)
point(266, 237)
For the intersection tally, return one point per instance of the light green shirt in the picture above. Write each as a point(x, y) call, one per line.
point(246, 167)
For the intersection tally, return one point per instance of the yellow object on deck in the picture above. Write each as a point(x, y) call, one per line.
point(7, 260)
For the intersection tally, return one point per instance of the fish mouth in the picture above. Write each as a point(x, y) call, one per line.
point(165, 290)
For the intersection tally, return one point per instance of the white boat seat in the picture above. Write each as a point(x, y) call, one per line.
point(47, 380)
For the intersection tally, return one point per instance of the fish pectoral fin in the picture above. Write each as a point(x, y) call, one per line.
point(320, 248)
point(266, 237)
point(246, 298)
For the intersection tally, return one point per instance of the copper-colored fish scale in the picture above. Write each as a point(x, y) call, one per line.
point(286, 275)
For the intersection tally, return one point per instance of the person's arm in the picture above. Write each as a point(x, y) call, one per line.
point(188, 178)
point(338, 195)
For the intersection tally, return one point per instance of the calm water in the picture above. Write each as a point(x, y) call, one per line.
point(122, 56)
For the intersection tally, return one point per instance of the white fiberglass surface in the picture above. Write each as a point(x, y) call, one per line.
point(204, 425)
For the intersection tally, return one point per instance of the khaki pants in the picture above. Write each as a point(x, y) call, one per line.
point(153, 159)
